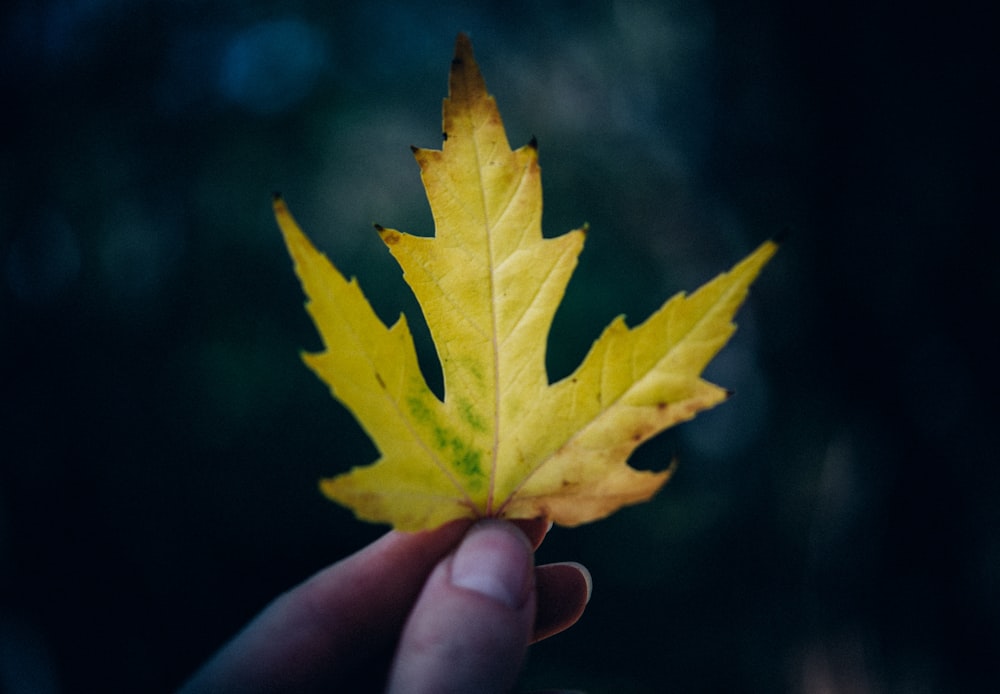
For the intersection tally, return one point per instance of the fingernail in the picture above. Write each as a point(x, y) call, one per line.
point(494, 560)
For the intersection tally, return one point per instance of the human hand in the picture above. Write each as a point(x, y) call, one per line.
point(449, 610)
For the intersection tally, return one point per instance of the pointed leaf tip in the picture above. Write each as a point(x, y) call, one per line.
point(463, 46)
point(278, 206)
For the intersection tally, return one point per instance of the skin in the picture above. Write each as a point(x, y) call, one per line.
point(448, 610)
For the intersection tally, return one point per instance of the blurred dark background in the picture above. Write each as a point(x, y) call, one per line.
point(832, 528)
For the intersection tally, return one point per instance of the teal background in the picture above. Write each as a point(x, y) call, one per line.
point(831, 528)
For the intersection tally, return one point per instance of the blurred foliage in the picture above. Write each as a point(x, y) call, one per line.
point(831, 528)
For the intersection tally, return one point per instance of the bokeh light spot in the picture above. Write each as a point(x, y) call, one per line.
point(273, 65)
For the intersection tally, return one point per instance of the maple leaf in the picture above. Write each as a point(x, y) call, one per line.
point(503, 442)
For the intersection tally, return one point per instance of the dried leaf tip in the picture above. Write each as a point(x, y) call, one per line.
point(464, 57)
point(390, 237)
point(463, 48)
point(278, 204)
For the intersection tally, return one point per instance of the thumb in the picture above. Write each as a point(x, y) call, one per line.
point(470, 628)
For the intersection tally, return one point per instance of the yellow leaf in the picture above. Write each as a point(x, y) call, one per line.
point(504, 442)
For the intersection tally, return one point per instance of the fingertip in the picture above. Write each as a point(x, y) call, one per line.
point(584, 574)
point(563, 592)
point(494, 560)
